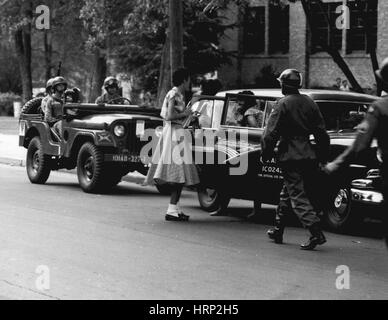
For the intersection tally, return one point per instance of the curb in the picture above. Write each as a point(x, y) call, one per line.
point(13, 162)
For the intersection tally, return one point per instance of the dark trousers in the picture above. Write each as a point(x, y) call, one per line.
point(299, 192)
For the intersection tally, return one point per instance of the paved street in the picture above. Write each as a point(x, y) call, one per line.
point(118, 246)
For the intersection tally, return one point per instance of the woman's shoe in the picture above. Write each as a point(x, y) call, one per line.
point(180, 217)
point(184, 217)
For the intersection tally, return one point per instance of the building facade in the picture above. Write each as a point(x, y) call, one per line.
point(274, 36)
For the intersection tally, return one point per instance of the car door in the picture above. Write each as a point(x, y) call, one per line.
point(250, 179)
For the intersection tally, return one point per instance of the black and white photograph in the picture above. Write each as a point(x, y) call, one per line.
point(193, 155)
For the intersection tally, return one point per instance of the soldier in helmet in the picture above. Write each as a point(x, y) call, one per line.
point(295, 118)
point(112, 95)
point(375, 125)
point(52, 103)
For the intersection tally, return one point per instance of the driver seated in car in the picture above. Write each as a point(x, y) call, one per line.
point(250, 115)
point(52, 104)
point(112, 95)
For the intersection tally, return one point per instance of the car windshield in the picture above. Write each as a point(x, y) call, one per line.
point(342, 116)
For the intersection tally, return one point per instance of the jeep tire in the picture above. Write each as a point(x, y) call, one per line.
point(33, 106)
point(37, 163)
point(92, 176)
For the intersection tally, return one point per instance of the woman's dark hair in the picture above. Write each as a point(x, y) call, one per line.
point(248, 101)
point(179, 76)
point(211, 87)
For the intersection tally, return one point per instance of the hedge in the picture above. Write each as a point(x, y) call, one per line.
point(6, 103)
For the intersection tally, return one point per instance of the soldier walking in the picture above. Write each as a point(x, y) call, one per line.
point(375, 125)
point(295, 118)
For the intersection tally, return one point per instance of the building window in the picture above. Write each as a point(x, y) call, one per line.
point(356, 37)
point(254, 30)
point(279, 28)
point(325, 32)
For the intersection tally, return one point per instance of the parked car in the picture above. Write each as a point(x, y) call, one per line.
point(220, 115)
point(102, 141)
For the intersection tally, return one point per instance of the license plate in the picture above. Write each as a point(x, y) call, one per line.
point(140, 128)
point(270, 171)
point(122, 158)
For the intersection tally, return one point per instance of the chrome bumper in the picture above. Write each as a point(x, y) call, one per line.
point(367, 196)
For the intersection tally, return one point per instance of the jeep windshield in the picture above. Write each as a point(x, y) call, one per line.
point(342, 116)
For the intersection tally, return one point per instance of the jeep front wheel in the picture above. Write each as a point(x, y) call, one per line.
point(90, 168)
point(37, 163)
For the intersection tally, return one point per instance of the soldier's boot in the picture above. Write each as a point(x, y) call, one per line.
point(317, 238)
point(276, 233)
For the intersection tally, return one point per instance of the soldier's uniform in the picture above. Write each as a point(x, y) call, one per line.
point(52, 104)
point(295, 118)
point(111, 98)
point(50, 107)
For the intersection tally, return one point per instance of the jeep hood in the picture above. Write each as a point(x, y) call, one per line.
point(110, 118)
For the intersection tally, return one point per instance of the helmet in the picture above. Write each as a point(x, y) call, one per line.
point(111, 82)
point(59, 80)
point(291, 78)
point(382, 73)
point(49, 85)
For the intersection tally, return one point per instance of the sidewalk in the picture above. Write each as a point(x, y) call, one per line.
point(10, 152)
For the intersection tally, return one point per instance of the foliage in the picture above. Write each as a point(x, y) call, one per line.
point(145, 34)
point(267, 78)
point(6, 103)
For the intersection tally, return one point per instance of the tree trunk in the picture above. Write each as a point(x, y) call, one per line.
point(329, 47)
point(48, 53)
point(176, 34)
point(22, 39)
point(371, 45)
point(99, 74)
point(164, 75)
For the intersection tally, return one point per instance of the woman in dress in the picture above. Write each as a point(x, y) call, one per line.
point(172, 161)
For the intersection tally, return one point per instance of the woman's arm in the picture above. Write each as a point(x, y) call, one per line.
point(172, 114)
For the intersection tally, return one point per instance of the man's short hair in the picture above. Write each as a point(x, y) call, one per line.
point(179, 76)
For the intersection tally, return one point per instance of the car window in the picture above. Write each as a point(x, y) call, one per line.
point(270, 105)
point(245, 111)
point(342, 116)
point(217, 113)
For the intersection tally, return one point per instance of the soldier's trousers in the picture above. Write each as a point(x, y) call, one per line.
point(299, 192)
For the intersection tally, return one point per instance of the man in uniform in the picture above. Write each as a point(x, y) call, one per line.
point(375, 125)
point(295, 118)
point(52, 103)
point(111, 96)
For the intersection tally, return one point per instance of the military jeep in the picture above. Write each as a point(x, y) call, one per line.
point(102, 141)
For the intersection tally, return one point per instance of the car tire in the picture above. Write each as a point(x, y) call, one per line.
point(37, 163)
point(33, 106)
point(164, 189)
point(340, 216)
point(92, 176)
point(211, 200)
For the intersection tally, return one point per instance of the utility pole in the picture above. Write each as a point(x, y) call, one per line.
point(176, 34)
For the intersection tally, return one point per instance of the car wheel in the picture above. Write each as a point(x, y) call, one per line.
point(339, 216)
point(37, 163)
point(164, 189)
point(210, 200)
point(90, 169)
